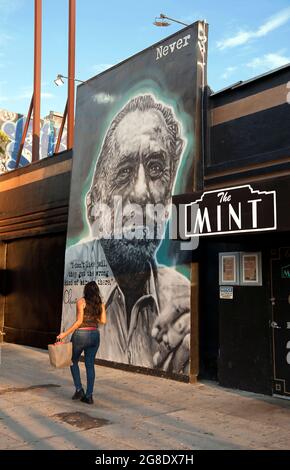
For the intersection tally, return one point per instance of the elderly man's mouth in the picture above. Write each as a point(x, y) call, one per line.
point(141, 232)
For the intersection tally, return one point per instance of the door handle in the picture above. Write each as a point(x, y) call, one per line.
point(273, 324)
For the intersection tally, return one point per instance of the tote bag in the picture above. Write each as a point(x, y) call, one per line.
point(60, 354)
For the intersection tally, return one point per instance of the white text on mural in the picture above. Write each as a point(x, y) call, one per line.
point(162, 51)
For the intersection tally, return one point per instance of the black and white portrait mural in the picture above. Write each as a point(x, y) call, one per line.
point(135, 143)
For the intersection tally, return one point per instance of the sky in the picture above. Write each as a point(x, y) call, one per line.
point(246, 38)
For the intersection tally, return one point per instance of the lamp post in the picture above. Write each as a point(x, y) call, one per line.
point(71, 74)
point(70, 105)
point(34, 107)
point(37, 79)
point(160, 21)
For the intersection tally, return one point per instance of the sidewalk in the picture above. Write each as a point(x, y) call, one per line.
point(131, 411)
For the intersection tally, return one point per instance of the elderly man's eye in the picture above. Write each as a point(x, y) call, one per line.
point(155, 169)
point(124, 173)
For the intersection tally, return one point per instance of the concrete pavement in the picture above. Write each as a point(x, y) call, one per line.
point(131, 411)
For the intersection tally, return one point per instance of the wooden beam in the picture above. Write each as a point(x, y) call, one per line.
point(59, 137)
point(3, 263)
point(37, 79)
point(24, 134)
point(194, 334)
point(71, 73)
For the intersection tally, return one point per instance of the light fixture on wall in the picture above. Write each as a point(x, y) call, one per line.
point(59, 80)
point(160, 21)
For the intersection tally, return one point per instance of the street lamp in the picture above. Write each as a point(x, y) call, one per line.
point(68, 112)
point(59, 80)
point(160, 21)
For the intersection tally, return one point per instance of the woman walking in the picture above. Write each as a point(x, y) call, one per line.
point(90, 312)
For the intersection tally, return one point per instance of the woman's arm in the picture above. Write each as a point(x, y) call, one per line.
point(77, 323)
point(103, 317)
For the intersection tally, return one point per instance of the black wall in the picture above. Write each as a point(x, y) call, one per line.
point(248, 142)
point(245, 355)
point(33, 223)
point(252, 139)
point(34, 298)
point(248, 131)
point(235, 335)
point(209, 311)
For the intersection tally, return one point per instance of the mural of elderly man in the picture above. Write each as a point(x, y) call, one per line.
point(128, 205)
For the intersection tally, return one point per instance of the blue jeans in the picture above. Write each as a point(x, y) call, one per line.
point(87, 341)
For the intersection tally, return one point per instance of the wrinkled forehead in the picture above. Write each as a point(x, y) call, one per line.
point(142, 130)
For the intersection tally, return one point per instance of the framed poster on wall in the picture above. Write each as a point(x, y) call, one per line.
point(229, 268)
point(251, 269)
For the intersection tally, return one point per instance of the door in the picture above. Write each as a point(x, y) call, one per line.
point(33, 300)
point(280, 322)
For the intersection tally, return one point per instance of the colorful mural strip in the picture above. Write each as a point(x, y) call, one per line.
point(11, 129)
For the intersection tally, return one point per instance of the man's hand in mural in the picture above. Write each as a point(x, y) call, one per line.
point(172, 331)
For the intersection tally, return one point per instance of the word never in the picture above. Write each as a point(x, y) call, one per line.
point(162, 51)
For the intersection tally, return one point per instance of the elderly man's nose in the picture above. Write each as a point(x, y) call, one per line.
point(140, 191)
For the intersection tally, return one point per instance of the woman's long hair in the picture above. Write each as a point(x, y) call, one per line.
point(93, 299)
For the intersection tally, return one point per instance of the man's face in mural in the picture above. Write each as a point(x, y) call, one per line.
point(142, 155)
point(141, 172)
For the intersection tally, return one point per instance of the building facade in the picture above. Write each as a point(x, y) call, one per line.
point(239, 276)
point(244, 315)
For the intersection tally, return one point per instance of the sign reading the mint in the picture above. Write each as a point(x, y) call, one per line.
point(231, 210)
